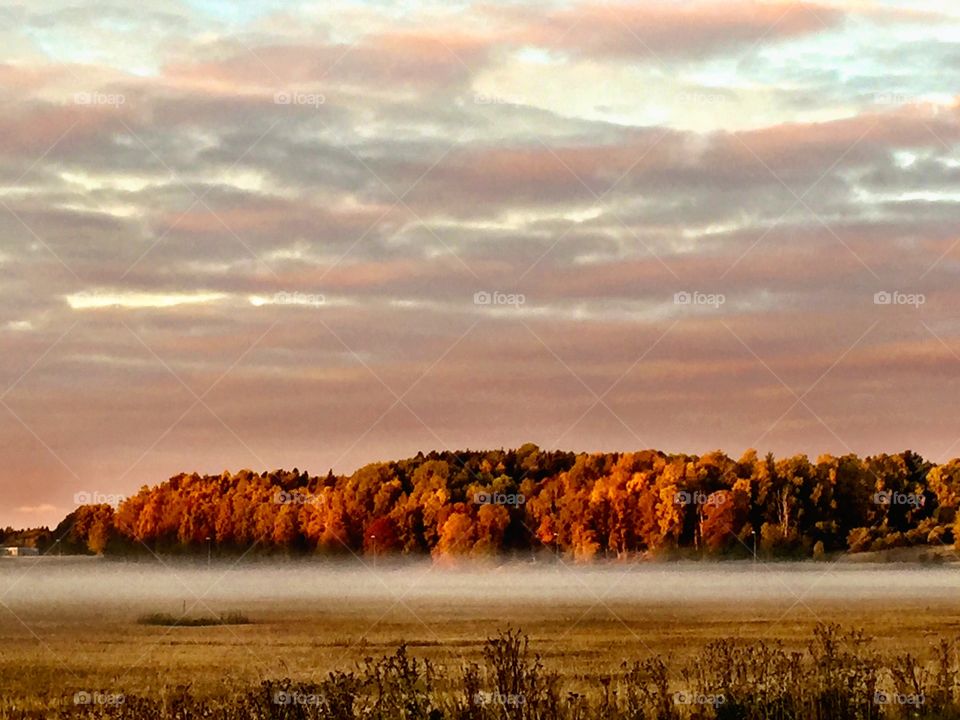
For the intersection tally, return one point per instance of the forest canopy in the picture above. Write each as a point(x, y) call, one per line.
point(580, 506)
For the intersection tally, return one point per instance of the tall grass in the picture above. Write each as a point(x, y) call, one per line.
point(839, 676)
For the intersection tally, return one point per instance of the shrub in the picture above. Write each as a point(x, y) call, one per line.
point(168, 620)
point(838, 677)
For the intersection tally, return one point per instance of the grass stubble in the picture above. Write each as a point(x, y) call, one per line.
point(468, 661)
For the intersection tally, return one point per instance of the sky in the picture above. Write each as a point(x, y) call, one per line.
point(320, 234)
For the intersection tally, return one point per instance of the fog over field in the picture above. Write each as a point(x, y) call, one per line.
point(140, 628)
point(57, 582)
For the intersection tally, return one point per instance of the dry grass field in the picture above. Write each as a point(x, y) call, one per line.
point(52, 646)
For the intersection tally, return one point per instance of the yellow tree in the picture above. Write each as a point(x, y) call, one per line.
point(457, 535)
point(492, 522)
point(670, 511)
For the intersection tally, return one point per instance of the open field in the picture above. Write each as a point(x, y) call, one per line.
point(71, 626)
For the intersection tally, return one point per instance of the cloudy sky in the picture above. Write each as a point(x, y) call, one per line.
point(318, 234)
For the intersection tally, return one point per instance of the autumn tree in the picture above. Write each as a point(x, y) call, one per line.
point(380, 537)
point(584, 506)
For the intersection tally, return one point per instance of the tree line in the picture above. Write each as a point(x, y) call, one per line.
point(579, 506)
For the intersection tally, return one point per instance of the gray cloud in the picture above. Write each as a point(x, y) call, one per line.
point(185, 209)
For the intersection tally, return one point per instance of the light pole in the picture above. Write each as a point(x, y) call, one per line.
point(754, 533)
point(209, 550)
point(374, 538)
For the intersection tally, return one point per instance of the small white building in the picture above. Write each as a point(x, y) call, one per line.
point(15, 551)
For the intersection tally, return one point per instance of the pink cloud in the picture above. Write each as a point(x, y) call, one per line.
point(426, 58)
point(651, 29)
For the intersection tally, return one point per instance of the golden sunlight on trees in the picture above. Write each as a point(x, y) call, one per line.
point(584, 507)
